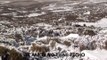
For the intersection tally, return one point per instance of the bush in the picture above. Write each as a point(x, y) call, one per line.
point(89, 32)
point(105, 45)
point(82, 47)
point(18, 37)
point(3, 50)
point(39, 48)
point(67, 43)
point(14, 55)
point(10, 54)
point(92, 45)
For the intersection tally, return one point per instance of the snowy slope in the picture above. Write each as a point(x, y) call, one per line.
point(101, 23)
point(95, 55)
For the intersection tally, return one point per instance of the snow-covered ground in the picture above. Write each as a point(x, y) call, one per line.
point(41, 36)
point(95, 55)
point(36, 14)
point(70, 36)
point(86, 40)
point(57, 8)
point(101, 23)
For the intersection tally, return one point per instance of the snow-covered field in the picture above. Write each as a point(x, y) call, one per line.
point(100, 23)
point(51, 31)
point(69, 43)
point(95, 55)
point(36, 14)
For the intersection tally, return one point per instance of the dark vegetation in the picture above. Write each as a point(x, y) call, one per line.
point(7, 54)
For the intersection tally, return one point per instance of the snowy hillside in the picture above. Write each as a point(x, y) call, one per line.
point(56, 30)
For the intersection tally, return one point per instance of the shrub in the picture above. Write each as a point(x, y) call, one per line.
point(3, 50)
point(18, 37)
point(89, 32)
point(14, 55)
point(39, 49)
point(10, 54)
point(67, 43)
point(105, 45)
point(82, 47)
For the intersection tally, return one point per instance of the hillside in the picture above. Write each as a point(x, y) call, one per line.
point(30, 29)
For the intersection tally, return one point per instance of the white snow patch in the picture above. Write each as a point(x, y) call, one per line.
point(87, 13)
point(101, 23)
point(57, 8)
point(4, 22)
point(95, 55)
point(61, 9)
point(0, 58)
point(103, 31)
point(44, 24)
point(70, 36)
point(43, 38)
point(97, 1)
point(36, 14)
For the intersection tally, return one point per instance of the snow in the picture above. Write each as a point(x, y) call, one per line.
point(100, 23)
point(82, 23)
point(44, 24)
point(42, 38)
point(55, 59)
point(98, 1)
point(95, 55)
point(0, 58)
point(61, 46)
point(4, 22)
point(36, 14)
point(70, 36)
point(58, 8)
point(103, 31)
point(87, 13)
point(61, 9)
